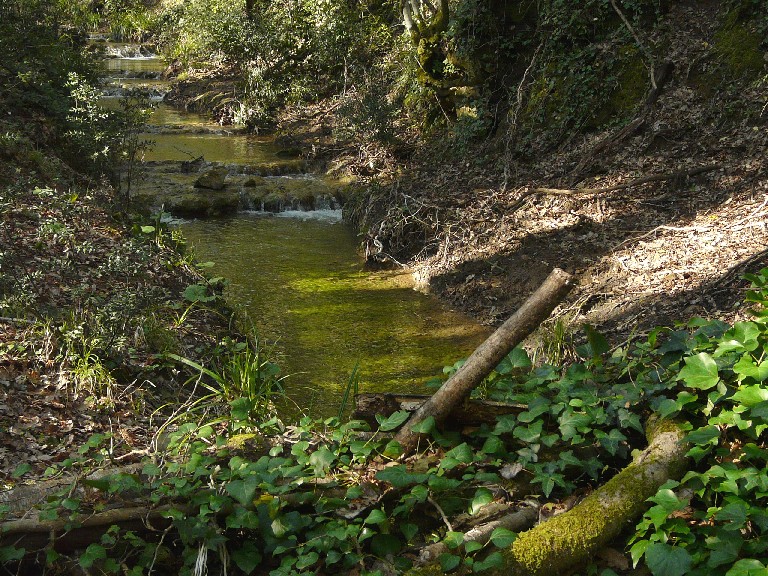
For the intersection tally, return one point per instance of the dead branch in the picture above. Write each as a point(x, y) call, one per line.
point(487, 356)
point(624, 185)
point(517, 521)
point(569, 539)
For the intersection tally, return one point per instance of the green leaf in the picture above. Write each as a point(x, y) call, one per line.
point(93, 553)
point(448, 562)
point(748, 567)
point(458, 455)
point(704, 435)
point(244, 490)
point(409, 530)
point(393, 421)
point(493, 560)
point(424, 427)
point(399, 476)
point(700, 372)
point(247, 557)
point(735, 514)
point(666, 560)
point(747, 368)
point(21, 469)
point(306, 560)
point(502, 537)
point(638, 550)
point(751, 395)
point(453, 540)
point(518, 358)
point(598, 344)
point(725, 547)
point(11, 554)
point(321, 459)
point(482, 497)
point(376, 516)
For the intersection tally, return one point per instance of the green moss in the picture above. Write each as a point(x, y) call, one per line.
point(572, 537)
point(631, 87)
point(737, 46)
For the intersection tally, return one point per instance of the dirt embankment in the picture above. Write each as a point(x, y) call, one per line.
point(659, 216)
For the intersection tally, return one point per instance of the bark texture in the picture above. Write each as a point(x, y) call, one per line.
point(487, 356)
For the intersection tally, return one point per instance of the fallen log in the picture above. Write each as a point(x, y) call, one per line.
point(487, 356)
point(521, 519)
point(471, 412)
point(568, 540)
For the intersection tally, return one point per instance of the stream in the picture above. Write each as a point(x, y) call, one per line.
point(276, 234)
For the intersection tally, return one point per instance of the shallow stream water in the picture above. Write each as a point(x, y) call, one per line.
point(299, 277)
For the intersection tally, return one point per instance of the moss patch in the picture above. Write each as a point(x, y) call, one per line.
point(737, 46)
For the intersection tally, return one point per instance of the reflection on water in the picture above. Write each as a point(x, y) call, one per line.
point(230, 149)
point(302, 284)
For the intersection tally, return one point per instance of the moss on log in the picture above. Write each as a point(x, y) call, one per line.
point(570, 539)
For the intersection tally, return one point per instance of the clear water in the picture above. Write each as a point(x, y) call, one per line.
point(303, 284)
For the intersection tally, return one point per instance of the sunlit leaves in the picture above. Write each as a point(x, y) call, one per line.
point(700, 371)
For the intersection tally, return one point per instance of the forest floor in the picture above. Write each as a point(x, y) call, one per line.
point(90, 303)
point(647, 254)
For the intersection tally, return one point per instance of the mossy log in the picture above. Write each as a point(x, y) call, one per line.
point(568, 540)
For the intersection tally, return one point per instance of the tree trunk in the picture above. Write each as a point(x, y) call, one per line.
point(487, 356)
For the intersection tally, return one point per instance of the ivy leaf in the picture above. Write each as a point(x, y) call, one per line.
point(247, 557)
point(502, 537)
point(321, 459)
point(725, 548)
point(748, 567)
point(93, 553)
point(735, 514)
point(700, 372)
point(518, 358)
point(244, 490)
point(494, 560)
point(393, 421)
point(448, 562)
point(751, 395)
point(399, 476)
point(453, 540)
point(482, 497)
point(746, 368)
point(666, 560)
point(704, 435)
point(424, 427)
point(462, 454)
point(376, 517)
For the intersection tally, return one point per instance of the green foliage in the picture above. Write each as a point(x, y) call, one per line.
point(580, 423)
point(287, 52)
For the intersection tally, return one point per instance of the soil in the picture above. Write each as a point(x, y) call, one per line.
point(645, 255)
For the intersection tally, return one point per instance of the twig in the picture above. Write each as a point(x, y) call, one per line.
point(636, 182)
point(639, 43)
point(442, 514)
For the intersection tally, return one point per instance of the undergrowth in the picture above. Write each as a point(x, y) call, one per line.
point(246, 494)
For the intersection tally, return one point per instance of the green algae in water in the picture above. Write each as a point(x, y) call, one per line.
point(302, 284)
